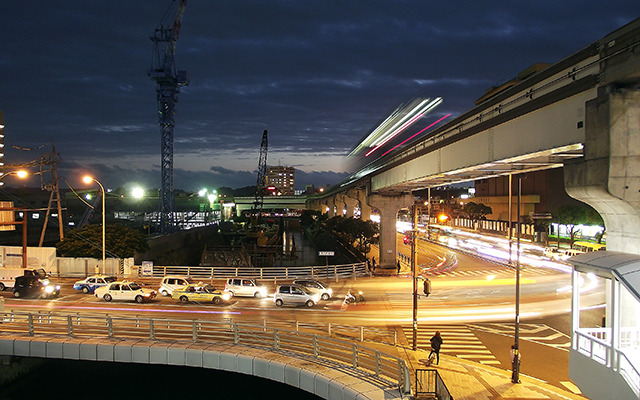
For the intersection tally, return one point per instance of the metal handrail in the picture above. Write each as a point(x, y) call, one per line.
point(429, 382)
point(594, 344)
point(358, 333)
point(387, 368)
point(342, 271)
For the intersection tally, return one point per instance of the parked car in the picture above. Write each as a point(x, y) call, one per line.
point(201, 294)
point(34, 286)
point(316, 286)
point(245, 287)
point(295, 294)
point(172, 282)
point(90, 283)
point(123, 290)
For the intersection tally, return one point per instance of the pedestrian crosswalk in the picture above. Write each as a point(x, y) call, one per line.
point(500, 273)
point(459, 341)
point(537, 333)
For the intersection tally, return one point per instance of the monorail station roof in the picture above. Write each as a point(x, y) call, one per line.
point(623, 267)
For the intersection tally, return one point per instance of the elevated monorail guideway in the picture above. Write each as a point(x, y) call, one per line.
point(537, 123)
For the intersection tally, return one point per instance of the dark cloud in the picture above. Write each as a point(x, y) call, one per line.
point(317, 74)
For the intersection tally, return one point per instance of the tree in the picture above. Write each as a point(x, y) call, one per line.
point(573, 215)
point(351, 230)
point(121, 242)
point(476, 211)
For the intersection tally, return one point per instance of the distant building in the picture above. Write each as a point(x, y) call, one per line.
point(281, 180)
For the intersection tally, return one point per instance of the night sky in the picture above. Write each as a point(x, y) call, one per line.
point(317, 74)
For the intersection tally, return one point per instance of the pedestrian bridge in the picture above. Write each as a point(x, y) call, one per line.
point(325, 366)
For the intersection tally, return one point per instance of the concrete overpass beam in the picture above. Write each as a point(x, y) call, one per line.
point(388, 206)
point(608, 176)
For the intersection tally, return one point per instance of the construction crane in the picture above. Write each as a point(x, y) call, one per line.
point(261, 185)
point(169, 80)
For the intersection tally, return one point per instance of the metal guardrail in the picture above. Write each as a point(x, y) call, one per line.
point(429, 382)
point(350, 332)
point(344, 271)
point(387, 368)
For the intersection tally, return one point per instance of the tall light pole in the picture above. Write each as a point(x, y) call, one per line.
point(515, 362)
point(89, 179)
point(20, 174)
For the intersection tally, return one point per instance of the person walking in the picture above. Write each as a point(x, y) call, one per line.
point(436, 343)
point(373, 263)
point(398, 267)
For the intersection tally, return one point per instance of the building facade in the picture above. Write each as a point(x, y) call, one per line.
point(281, 181)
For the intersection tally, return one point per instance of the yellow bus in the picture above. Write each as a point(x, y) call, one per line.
point(588, 246)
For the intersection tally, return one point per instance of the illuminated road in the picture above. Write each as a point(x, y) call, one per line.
point(472, 303)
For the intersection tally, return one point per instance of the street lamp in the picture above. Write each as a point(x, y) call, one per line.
point(20, 173)
point(89, 179)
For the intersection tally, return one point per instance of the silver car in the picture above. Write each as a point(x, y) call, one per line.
point(296, 295)
point(316, 286)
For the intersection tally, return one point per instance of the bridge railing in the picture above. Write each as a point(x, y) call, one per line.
point(387, 368)
point(343, 271)
point(429, 382)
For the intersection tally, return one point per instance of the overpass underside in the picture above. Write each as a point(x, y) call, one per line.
point(538, 128)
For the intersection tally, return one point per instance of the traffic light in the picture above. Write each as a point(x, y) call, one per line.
point(426, 287)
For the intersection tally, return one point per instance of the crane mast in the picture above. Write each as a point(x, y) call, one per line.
point(168, 80)
point(262, 174)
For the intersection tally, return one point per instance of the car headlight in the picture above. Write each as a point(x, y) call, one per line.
point(263, 291)
point(48, 289)
point(226, 297)
point(316, 298)
point(330, 291)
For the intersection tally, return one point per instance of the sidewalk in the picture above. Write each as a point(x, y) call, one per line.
point(467, 380)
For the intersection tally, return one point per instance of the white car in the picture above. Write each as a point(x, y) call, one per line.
point(316, 286)
point(554, 253)
point(296, 295)
point(91, 283)
point(172, 282)
point(245, 287)
point(127, 291)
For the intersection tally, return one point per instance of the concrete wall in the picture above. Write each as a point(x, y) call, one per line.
point(319, 378)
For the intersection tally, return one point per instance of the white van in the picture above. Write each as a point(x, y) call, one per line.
point(172, 282)
point(245, 287)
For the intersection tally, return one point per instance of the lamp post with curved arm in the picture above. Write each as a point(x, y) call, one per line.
point(89, 179)
point(20, 173)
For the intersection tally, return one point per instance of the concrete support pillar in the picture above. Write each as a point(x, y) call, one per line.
point(332, 207)
point(350, 204)
point(365, 209)
point(388, 206)
point(608, 176)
